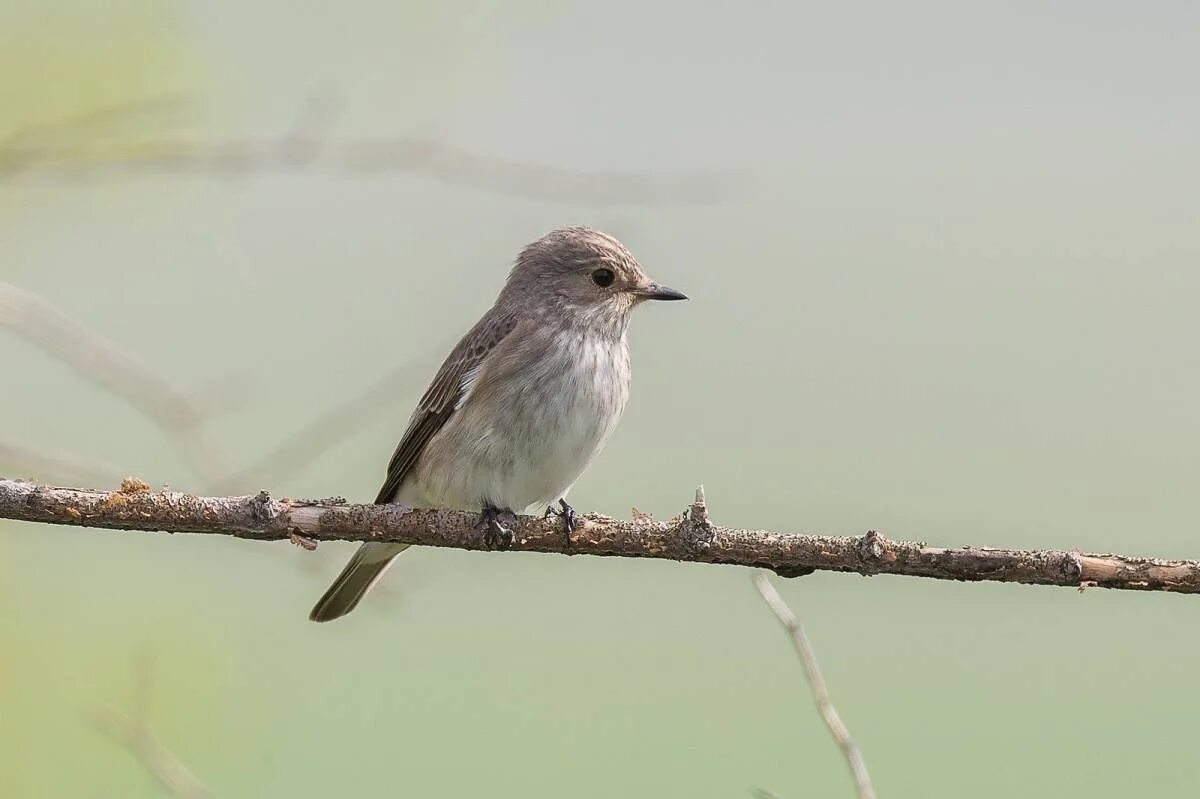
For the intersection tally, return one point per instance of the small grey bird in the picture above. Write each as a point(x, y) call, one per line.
point(524, 402)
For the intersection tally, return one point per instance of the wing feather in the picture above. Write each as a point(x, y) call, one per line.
point(444, 396)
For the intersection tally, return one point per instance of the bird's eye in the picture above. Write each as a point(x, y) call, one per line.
point(602, 278)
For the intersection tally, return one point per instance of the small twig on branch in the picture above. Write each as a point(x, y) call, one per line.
point(689, 537)
point(862, 780)
point(113, 369)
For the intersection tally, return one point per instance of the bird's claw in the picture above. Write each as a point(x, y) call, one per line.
point(496, 528)
point(569, 517)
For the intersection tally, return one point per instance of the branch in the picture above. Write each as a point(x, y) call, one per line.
point(688, 537)
point(862, 780)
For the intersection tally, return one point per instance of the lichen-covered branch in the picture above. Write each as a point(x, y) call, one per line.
point(690, 536)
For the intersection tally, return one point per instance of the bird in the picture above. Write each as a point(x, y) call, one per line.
point(523, 404)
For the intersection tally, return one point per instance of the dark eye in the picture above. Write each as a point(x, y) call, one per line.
point(602, 278)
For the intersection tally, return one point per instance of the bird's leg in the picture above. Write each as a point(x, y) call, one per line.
point(569, 517)
point(496, 527)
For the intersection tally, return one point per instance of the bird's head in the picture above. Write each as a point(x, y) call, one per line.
point(585, 275)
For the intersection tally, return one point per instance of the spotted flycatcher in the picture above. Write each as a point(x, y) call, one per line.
point(524, 402)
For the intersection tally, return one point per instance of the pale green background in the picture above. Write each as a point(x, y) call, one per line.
point(957, 302)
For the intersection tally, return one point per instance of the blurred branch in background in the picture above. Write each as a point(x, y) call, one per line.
point(321, 434)
point(133, 733)
point(812, 672)
point(688, 537)
point(60, 469)
point(74, 146)
point(87, 125)
point(178, 416)
point(182, 418)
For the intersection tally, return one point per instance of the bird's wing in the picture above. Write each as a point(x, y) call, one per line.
point(444, 395)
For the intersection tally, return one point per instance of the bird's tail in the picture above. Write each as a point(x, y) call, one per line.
point(369, 563)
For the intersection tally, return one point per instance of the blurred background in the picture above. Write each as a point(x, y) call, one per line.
point(943, 269)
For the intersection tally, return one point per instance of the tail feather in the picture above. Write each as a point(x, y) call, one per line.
point(365, 568)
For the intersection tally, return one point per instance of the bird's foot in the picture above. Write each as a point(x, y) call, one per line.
point(496, 527)
point(569, 517)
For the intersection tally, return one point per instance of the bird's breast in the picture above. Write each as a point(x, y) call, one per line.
point(535, 418)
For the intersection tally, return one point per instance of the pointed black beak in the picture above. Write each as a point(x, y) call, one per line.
point(657, 292)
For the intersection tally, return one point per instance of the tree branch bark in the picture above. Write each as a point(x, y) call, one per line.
point(688, 537)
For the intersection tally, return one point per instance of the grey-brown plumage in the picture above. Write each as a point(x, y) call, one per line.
point(526, 399)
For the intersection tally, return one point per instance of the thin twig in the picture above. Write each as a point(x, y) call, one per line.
point(816, 682)
point(688, 537)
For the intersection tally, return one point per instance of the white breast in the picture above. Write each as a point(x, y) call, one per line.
point(523, 436)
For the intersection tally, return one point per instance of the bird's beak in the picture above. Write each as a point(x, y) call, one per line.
point(656, 292)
